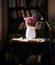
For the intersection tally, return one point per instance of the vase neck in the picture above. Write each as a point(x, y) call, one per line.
point(30, 27)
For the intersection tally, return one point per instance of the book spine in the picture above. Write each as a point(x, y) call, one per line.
point(33, 3)
point(14, 3)
point(27, 13)
point(10, 2)
point(19, 14)
point(23, 14)
point(20, 27)
point(40, 3)
point(30, 3)
point(22, 4)
point(19, 3)
point(14, 14)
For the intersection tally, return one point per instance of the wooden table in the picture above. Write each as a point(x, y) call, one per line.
point(26, 48)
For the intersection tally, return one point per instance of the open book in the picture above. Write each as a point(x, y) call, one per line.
point(26, 40)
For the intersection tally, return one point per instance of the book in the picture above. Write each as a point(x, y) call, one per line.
point(27, 13)
point(14, 14)
point(19, 13)
point(14, 4)
point(19, 3)
point(23, 3)
point(34, 59)
point(21, 39)
point(22, 12)
point(20, 27)
point(33, 3)
point(10, 2)
point(24, 27)
point(41, 3)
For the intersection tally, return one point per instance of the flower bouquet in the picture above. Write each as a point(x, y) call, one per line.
point(30, 27)
point(30, 21)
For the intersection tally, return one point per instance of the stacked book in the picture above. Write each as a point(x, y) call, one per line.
point(23, 3)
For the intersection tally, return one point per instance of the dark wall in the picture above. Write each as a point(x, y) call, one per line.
point(3, 25)
point(3, 21)
point(0, 20)
point(3, 30)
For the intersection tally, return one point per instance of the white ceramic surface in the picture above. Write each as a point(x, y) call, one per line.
point(30, 33)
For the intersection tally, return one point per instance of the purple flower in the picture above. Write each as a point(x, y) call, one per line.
point(30, 20)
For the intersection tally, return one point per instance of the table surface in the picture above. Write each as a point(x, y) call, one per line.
point(36, 40)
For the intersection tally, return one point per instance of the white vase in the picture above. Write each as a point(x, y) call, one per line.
point(30, 32)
